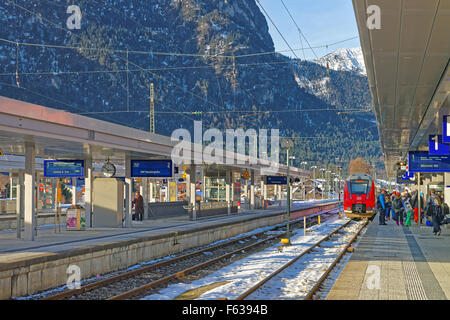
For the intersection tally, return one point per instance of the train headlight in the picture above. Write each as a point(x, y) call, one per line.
point(369, 209)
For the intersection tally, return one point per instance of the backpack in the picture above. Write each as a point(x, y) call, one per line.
point(446, 209)
point(407, 205)
point(397, 205)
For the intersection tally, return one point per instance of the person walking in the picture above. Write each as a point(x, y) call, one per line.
point(138, 203)
point(381, 208)
point(433, 209)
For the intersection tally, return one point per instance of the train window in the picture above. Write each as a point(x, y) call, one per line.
point(359, 186)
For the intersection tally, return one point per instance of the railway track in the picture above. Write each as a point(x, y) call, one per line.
point(131, 283)
point(305, 254)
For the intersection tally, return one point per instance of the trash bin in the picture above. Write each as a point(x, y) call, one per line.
point(75, 218)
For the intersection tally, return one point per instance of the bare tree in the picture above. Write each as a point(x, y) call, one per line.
point(359, 166)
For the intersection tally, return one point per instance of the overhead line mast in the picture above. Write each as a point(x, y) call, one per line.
point(152, 109)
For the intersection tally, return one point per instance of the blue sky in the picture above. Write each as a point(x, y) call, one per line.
point(321, 21)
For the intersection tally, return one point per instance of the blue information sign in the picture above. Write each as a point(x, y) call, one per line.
point(151, 168)
point(402, 180)
point(445, 130)
point(436, 146)
point(421, 161)
point(276, 180)
point(408, 175)
point(63, 168)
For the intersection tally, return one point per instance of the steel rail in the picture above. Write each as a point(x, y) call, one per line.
point(273, 274)
point(104, 282)
point(335, 262)
point(125, 275)
point(184, 272)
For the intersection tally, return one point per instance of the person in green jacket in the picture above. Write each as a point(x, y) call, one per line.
point(408, 208)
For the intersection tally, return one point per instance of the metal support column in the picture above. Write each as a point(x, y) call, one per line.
point(280, 194)
point(192, 180)
point(252, 189)
point(74, 191)
point(88, 192)
point(29, 193)
point(20, 193)
point(264, 192)
point(128, 193)
point(227, 191)
point(144, 194)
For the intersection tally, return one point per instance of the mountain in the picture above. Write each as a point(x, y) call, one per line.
point(346, 59)
point(207, 60)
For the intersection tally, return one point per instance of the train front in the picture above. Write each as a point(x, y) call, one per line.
point(359, 196)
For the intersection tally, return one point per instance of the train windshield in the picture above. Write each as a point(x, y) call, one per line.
point(359, 186)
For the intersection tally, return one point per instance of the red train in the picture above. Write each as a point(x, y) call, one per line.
point(359, 196)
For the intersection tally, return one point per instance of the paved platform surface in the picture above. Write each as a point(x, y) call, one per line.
point(49, 242)
point(397, 263)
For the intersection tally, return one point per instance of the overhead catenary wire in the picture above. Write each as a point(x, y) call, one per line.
point(299, 30)
point(40, 16)
point(56, 73)
point(142, 69)
point(278, 30)
point(111, 51)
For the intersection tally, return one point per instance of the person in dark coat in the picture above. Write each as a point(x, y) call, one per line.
point(433, 208)
point(138, 203)
point(381, 208)
point(397, 206)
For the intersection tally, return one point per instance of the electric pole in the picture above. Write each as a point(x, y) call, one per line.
point(152, 109)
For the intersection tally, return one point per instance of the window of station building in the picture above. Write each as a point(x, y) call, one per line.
point(215, 188)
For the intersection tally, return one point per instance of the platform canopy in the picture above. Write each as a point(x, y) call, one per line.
point(58, 134)
point(407, 63)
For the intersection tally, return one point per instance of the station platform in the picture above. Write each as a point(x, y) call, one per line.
point(397, 263)
point(27, 267)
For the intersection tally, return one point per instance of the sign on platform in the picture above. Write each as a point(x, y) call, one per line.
point(446, 129)
point(436, 146)
point(408, 175)
point(276, 180)
point(151, 168)
point(63, 168)
point(421, 161)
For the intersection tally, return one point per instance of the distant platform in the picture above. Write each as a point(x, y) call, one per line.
point(397, 263)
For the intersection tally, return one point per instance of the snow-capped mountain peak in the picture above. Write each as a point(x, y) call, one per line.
point(345, 59)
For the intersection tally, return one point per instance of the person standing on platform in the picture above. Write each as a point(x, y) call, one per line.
point(381, 206)
point(408, 208)
point(415, 205)
point(397, 206)
point(388, 204)
point(138, 203)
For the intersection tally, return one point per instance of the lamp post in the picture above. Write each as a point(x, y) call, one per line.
point(304, 163)
point(333, 175)
point(323, 183)
point(314, 181)
point(328, 184)
point(287, 144)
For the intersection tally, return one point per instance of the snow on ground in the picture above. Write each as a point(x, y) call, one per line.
point(243, 274)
